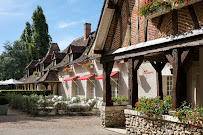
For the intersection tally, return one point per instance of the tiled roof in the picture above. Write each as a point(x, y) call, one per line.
point(30, 80)
point(77, 49)
point(82, 58)
point(50, 76)
point(80, 42)
point(32, 64)
point(77, 46)
point(48, 67)
point(62, 63)
point(53, 48)
point(58, 55)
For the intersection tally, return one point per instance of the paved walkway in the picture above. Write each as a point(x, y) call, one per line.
point(19, 123)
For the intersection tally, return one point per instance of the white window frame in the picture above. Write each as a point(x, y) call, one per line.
point(92, 85)
point(75, 88)
point(114, 91)
point(168, 84)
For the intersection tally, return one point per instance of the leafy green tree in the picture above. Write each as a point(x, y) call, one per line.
point(26, 37)
point(13, 61)
point(41, 37)
point(22, 37)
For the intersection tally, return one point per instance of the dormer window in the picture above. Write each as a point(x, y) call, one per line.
point(70, 57)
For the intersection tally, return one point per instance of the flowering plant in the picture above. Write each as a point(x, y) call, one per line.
point(119, 100)
point(146, 8)
point(116, 62)
point(153, 107)
point(87, 65)
point(67, 69)
point(189, 113)
point(35, 73)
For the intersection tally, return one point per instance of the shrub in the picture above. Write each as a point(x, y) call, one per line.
point(190, 114)
point(153, 107)
point(27, 104)
point(119, 100)
point(3, 100)
point(27, 92)
point(149, 7)
point(76, 100)
point(87, 65)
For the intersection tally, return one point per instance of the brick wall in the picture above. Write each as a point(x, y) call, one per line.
point(120, 37)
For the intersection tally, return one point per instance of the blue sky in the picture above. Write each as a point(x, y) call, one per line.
point(65, 18)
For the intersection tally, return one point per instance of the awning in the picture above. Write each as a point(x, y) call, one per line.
point(85, 77)
point(70, 78)
point(113, 74)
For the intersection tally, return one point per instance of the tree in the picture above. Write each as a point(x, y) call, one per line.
point(26, 37)
point(13, 61)
point(41, 37)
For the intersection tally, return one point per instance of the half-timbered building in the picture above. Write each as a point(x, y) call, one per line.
point(165, 37)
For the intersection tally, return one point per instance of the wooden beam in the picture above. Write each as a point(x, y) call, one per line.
point(121, 31)
point(188, 42)
point(117, 16)
point(159, 26)
point(193, 16)
point(158, 66)
point(128, 32)
point(179, 59)
point(107, 68)
point(137, 24)
point(146, 29)
point(185, 59)
point(175, 62)
point(98, 51)
point(112, 5)
point(174, 22)
point(133, 66)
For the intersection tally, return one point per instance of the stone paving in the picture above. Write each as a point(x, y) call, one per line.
point(19, 123)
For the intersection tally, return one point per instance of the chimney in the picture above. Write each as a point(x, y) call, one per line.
point(87, 30)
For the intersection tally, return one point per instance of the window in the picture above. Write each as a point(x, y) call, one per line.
point(92, 90)
point(70, 57)
point(169, 85)
point(114, 88)
point(75, 89)
point(76, 92)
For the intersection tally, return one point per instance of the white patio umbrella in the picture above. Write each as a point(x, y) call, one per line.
point(11, 81)
point(2, 83)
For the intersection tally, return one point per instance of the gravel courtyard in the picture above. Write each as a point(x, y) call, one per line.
point(19, 123)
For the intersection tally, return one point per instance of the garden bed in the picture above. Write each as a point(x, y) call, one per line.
point(51, 105)
point(140, 124)
point(151, 116)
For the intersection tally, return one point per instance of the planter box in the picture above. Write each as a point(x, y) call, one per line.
point(70, 70)
point(4, 109)
point(90, 67)
point(165, 11)
point(141, 124)
point(123, 103)
point(157, 13)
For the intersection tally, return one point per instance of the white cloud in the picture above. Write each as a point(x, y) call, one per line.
point(10, 14)
point(13, 7)
point(63, 25)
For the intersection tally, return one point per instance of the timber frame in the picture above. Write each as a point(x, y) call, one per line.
point(179, 52)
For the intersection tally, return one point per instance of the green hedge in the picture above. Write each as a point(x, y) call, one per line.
point(25, 103)
point(27, 92)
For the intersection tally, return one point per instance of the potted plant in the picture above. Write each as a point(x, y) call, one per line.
point(88, 65)
point(3, 105)
point(67, 69)
point(122, 100)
